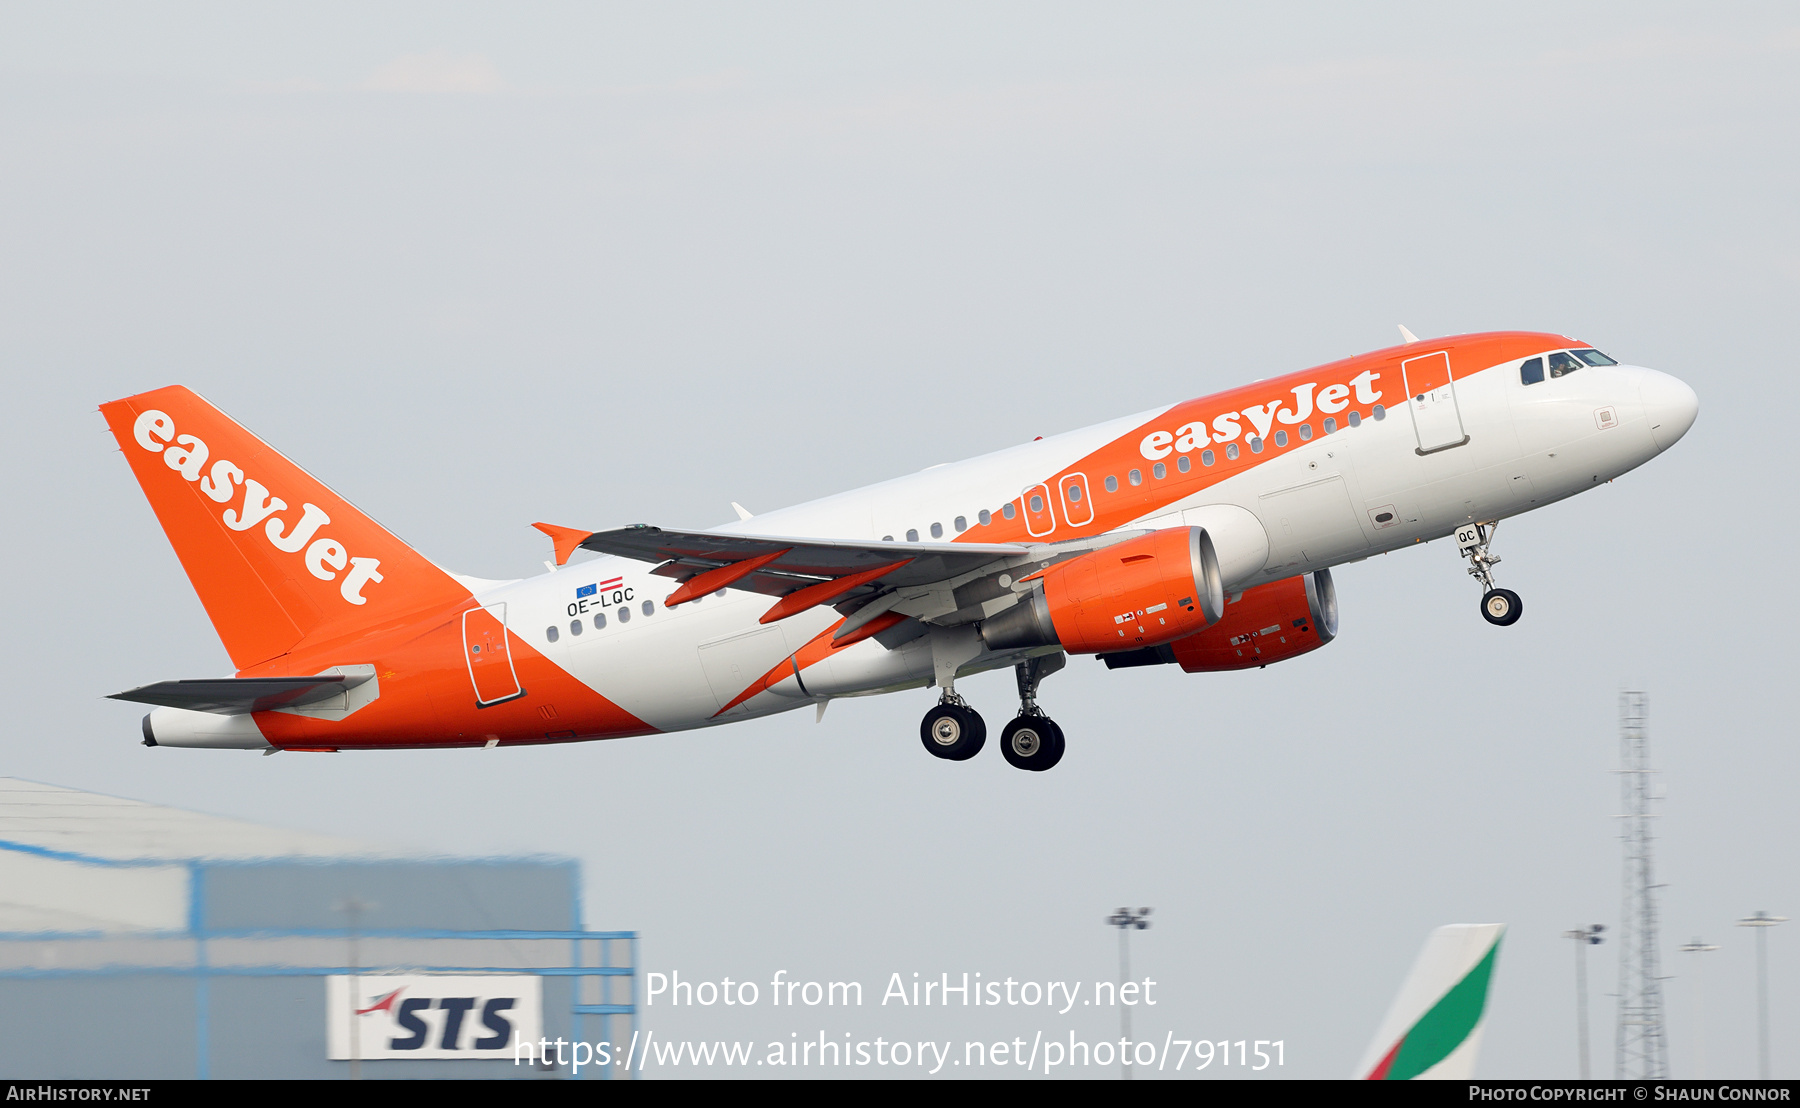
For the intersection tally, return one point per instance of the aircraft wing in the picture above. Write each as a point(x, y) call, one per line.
point(934, 582)
point(800, 561)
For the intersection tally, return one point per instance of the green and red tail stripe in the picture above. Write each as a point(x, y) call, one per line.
point(1452, 1016)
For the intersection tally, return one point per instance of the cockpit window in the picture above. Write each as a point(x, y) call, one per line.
point(1561, 363)
point(1531, 371)
point(1594, 357)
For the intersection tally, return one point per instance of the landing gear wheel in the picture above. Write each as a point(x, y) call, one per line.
point(1502, 607)
point(953, 731)
point(1032, 742)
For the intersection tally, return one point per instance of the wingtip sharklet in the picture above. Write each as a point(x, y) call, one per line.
point(567, 539)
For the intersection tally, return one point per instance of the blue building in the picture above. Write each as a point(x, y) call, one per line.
point(141, 941)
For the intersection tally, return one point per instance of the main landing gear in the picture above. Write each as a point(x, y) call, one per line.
point(1033, 741)
point(1500, 607)
point(952, 730)
point(956, 732)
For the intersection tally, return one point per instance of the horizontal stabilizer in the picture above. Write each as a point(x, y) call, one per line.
point(236, 695)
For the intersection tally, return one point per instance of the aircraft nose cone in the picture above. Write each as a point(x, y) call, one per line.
point(1670, 405)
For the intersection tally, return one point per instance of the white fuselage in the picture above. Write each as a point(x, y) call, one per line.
point(1339, 497)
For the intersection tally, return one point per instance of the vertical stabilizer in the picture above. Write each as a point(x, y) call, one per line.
point(275, 555)
point(1433, 1028)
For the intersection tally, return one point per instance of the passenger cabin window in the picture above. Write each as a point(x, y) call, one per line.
point(1112, 484)
point(1561, 364)
point(1593, 357)
point(550, 632)
point(986, 517)
point(649, 607)
point(1009, 510)
point(1305, 432)
point(599, 620)
point(962, 524)
point(1206, 457)
point(1255, 444)
point(1159, 471)
point(1378, 412)
point(575, 626)
point(1183, 464)
point(1231, 452)
point(937, 530)
point(1135, 477)
point(1330, 425)
point(624, 614)
point(912, 535)
point(1281, 438)
point(1531, 371)
point(1356, 419)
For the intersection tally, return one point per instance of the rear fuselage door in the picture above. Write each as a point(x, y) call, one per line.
point(1431, 397)
point(489, 655)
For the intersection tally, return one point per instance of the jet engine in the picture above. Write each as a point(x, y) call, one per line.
point(1136, 594)
point(1269, 623)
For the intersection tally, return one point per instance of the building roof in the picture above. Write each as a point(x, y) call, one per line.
point(49, 820)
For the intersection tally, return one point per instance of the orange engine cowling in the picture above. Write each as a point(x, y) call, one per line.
point(1140, 593)
point(1269, 623)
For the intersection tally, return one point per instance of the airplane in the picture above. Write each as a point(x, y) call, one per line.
point(1201, 534)
point(1432, 1030)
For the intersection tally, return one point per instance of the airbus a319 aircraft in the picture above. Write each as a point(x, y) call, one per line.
point(1200, 535)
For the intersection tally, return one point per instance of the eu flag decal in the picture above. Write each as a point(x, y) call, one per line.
point(586, 590)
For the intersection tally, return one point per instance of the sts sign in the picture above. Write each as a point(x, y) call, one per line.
point(431, 1016)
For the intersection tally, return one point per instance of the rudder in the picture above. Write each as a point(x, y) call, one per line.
point(274, 554)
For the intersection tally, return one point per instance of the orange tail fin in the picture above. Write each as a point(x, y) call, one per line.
point(275, 555)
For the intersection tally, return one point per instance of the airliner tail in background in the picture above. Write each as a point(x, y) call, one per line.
point(1433, 1028)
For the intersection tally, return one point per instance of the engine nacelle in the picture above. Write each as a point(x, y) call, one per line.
point(1141, 593)
point(1269, 623)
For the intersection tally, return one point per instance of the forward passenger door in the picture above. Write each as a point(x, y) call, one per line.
point(1431, 398)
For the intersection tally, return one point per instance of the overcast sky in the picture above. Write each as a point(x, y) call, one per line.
point(476, 266)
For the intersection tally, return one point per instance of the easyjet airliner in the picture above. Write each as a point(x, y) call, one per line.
point(1200, 535)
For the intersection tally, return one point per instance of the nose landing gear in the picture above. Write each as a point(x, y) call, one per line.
point(1500, 607)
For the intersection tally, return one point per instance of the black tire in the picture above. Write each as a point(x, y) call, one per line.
point(1056, 748)
point(953, 732)
point(1032, 743)
point(1502, 607)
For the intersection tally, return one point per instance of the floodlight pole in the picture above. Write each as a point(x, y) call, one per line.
point(1584, 937)
point(1698, 947)
point(1126, 920)
point(1762, 921)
